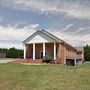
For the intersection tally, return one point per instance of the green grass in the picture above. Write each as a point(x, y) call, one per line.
point(44, 77)
point(7, 58)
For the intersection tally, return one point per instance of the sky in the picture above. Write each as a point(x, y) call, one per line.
point(67, 19)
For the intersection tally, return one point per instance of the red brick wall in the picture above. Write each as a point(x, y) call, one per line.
point(49, 49)
point(61, 53)
point(70, 52)
point(29, 53)
point(38, 49)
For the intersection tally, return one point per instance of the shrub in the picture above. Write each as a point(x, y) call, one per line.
point(47, 59)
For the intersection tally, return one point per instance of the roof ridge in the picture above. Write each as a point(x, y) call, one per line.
point(47, 35)
point(51, 34)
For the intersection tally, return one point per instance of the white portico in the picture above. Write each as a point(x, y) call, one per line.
point(40, 45)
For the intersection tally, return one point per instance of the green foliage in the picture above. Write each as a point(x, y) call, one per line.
point(20, 53)
point(12, 52)
point(47, 59)
point(87, 52)
point(3, 50)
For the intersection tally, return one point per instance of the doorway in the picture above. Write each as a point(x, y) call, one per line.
point(41, 54)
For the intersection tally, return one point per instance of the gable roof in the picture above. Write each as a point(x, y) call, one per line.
point(49, 35)
point(52, 36)
point(56, 38)
point(42, 33)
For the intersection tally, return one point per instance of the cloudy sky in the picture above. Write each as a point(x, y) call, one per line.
point(67, 19)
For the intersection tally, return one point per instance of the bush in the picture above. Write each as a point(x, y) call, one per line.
point(47, 59)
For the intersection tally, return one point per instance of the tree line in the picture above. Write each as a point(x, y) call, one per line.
point(18, 53)
point(12, 52)
point(87, 52)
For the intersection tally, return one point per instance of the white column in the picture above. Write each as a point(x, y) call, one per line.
point(59, 52)
point(33, 51)
point(75, 63)
point(82, 55)
point(24, 51)
point(54, 51)
point(43, 49)
point(65, 54)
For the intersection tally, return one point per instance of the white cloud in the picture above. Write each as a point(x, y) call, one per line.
point(34, 25)
point(79, 30)
point(67, 27)
point(14, 36)
point(12, 32)
point(69, 8)
point(73, 39)
point(78, 8)
point(10, 44)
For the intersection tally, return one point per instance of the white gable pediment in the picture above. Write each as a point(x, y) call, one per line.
point(37, 39)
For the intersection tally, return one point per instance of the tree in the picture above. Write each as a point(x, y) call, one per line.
point(87, 53)
point(12, 53)
point(3, 50)
point(20, 53)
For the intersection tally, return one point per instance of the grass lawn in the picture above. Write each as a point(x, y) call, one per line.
point(7, 58)
point(44, 77)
